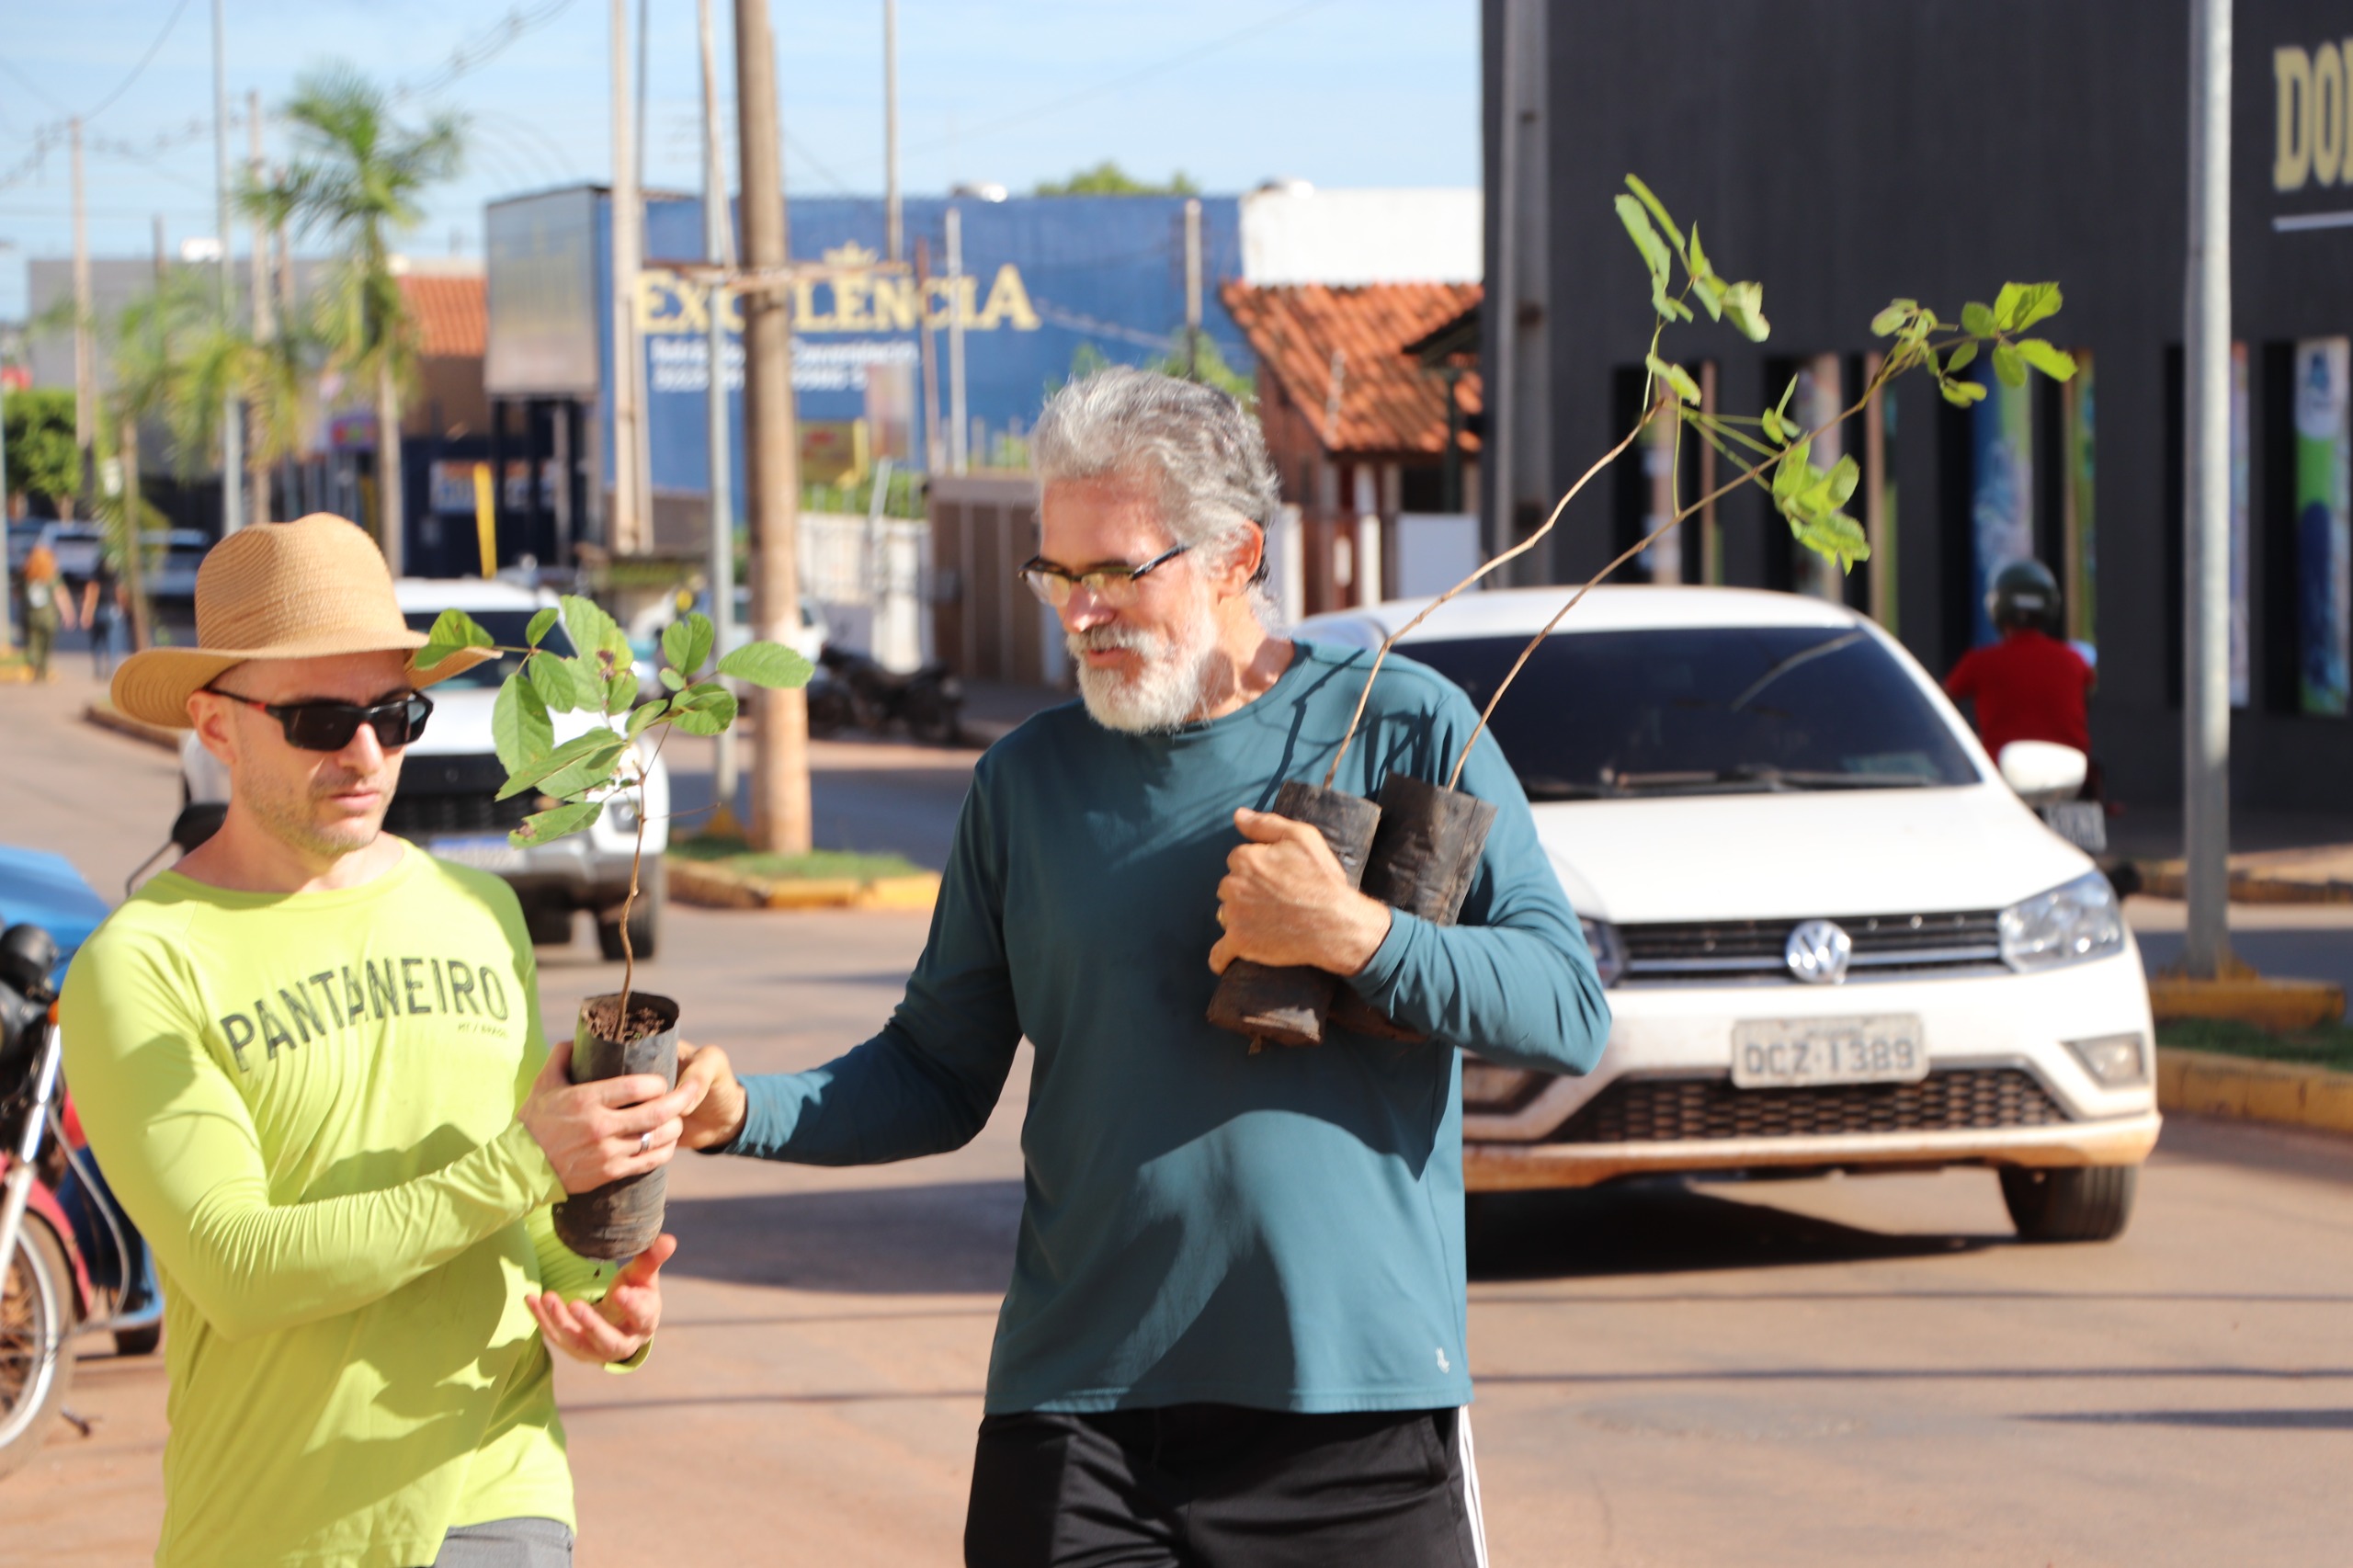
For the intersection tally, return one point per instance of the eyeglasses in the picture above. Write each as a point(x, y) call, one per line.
point(329, 726)
point(1115, 586)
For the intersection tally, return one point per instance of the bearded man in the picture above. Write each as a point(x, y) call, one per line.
point(1234, 1334)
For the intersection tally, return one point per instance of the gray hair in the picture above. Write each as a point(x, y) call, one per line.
point(1205, 449)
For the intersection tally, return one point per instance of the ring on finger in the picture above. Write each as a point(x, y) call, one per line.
point(644, 1142)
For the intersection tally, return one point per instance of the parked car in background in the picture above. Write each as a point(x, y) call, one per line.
point(1834, 939)
point(172, 558)
point(74, 544)
point(450, 782)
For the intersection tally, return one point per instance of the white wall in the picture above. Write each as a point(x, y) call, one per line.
point(1298, 234)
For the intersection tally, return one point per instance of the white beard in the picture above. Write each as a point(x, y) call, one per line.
point(1163, 693)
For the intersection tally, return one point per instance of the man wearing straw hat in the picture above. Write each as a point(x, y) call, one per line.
point(310, 1060)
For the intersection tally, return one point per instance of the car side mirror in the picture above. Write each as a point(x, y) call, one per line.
point(2043, 770)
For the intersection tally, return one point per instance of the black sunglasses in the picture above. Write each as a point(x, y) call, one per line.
point(329, 726)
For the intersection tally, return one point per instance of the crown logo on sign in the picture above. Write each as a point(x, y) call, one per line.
point(852, 255)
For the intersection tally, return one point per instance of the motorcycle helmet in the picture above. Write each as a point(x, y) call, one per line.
point(2024, 594)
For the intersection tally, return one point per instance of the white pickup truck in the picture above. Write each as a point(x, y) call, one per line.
point(447, 800)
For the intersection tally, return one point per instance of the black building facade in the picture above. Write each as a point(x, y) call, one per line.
point(1845, 153)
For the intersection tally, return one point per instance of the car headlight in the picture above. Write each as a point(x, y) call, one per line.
point(620, 812)
point(2073, 922)
point(1608, 952)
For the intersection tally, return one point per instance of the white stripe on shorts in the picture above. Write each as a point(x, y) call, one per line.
point(1471, 1486)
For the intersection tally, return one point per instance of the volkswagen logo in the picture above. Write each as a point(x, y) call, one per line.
point(1818, 951)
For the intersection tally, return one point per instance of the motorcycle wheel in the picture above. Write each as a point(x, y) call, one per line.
point(931, 718)
point(36, 1344)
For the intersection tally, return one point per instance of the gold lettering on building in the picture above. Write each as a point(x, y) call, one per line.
point(856, 299)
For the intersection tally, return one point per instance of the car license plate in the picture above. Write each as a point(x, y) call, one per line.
point(488, 851)
point(1779, 1054)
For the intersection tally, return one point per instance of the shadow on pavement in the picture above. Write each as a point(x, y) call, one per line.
point(2250, 1420)
point(1664, 1227)
point(945, 1239)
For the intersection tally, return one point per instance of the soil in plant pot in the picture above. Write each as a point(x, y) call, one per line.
point(1423, 860)
point(619, 1218)
point(603, 1015)
point(1287, 1006)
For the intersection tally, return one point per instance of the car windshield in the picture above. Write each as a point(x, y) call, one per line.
point(1706, 711)
point(507, 628)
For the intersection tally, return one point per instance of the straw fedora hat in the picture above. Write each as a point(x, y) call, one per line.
point(313, 589)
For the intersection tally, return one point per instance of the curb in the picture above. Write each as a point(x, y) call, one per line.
point(104, 715)
point(712, 887)
point(2166, 878)
point(2287, 1094)
point(2278, 1004)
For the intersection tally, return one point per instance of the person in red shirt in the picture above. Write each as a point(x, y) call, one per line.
point(2029, 686)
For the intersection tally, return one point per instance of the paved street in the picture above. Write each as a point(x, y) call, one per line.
point(1822, 1371)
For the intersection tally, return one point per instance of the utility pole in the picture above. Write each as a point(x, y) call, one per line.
point(627, 535)
point(935, 451)
point(2206, 706)
point(780, 813)
point(86, 358)
point(956, 426)
point(232, 413)
point(1192, 289)
point(264, 319)
point(894, 232)
point(718, 249)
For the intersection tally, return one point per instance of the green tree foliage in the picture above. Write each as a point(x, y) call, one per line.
point(41, 459)
point(1106, 178)
point(357, 180)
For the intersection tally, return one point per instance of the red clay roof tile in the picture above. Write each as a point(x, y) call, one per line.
point(1389, 403)
point(452, 314)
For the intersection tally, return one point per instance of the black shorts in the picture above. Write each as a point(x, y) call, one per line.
point(1220, 1486)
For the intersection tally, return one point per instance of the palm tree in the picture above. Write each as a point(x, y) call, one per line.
point(356, 181)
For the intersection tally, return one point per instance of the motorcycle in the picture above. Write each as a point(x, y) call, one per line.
point(71, 1262)
point(851, 689)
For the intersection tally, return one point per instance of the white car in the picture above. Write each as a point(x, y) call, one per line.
point(449, 780)
point(1834, 939)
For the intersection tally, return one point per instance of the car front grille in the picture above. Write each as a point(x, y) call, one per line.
point(1884, 944)
point(453, 794)
point(1675, 1110)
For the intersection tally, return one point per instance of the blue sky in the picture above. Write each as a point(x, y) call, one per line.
point(1339, 92)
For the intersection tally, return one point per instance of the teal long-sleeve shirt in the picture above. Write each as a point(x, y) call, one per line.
point(1281, 1230)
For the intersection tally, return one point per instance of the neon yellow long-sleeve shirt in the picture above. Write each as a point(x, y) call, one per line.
point(307, 1104)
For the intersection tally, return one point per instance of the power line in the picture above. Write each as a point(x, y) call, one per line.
point(109, 101)
point(469, 56)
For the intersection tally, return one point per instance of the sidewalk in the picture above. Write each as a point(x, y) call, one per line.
point(2278, 857)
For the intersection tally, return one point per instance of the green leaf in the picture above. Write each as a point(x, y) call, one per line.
point(686, 642)
point(2008, 366)
point(545, 826)
point(1668, 307)
point(1962, 394)
point(1977, 320)
point(1782, 407)
point(1965, 354)
point(2020, 306)
point(1654, 251)
point(1794, 472)
point(519, 729)
point(672, 678)
point(590, 627)
point(554, 679)
point(521, 779)
point(1744, 305)
point(1674, 376)
point(1834, 534)
point(621, 693)
point(1844, 474)
point(2056, 363)
point(704, 709)
point(453, 630)
point(1657, 210)
point(1892, 319)
point(540, 624)
point(641, 717)
point(587, 771)
point(1704, 281)
point(767, 664)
